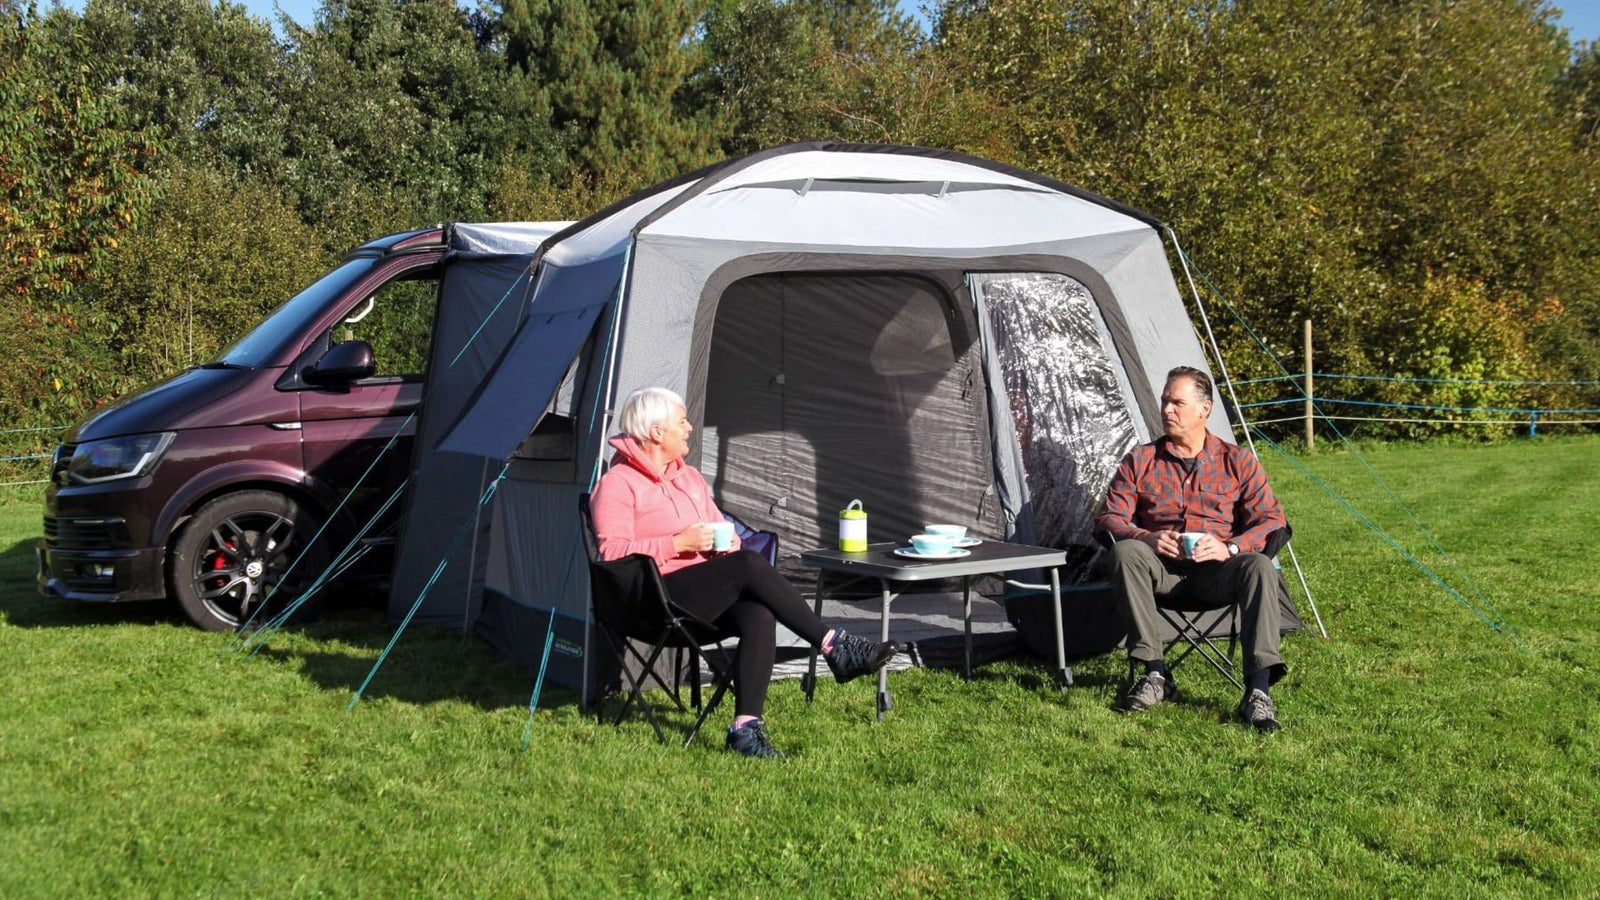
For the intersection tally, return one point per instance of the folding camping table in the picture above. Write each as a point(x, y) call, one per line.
point(880, 562)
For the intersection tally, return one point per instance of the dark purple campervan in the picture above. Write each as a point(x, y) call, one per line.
point(205, 487)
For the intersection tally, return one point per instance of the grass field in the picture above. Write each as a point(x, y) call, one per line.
point(1423, 754)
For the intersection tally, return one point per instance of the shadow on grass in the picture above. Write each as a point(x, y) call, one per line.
point(428, 664)
point(23, 606)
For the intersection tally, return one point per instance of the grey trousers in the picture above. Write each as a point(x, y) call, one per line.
point(1141, 575)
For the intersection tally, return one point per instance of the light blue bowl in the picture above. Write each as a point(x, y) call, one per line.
point(932, 544)
point(957, 532)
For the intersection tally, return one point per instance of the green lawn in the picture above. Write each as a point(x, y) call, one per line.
point(1423, 755)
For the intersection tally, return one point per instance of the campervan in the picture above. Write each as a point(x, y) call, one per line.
point(208, 487)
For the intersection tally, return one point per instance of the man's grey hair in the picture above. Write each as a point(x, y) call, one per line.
point(1202, 381)
point(646, 408)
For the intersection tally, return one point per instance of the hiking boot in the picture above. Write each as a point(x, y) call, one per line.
point(1258, 711)
point(1151, 689)
point(852, 657)
point(750, 739)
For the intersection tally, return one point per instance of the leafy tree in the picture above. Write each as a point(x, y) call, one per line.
point(525, 195)
point(384, 114)
point(72, 169)
point(1337, 161)
point(1579, 93)
point(207, 77)
point(402, 111)
point(71, 165)
point(214, 255)
point(611, 73)
point(787, 70)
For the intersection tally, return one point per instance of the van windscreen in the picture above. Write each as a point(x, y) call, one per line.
point(288, 322)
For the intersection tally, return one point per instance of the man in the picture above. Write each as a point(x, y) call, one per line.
point(1193, 481)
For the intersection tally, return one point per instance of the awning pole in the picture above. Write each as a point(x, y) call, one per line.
point(1222, 366)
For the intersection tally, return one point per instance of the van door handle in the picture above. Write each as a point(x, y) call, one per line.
point(284, 426)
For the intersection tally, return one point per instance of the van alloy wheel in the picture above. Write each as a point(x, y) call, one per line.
point(243, 562)
point(235, 554)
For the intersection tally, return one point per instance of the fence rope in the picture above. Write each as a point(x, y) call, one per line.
point(1406, 379)
point(1408, 421)
point(1394, 498)
point(1494, 621)
point(1421, 406)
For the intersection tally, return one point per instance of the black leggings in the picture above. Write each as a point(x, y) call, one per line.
point(744, 594)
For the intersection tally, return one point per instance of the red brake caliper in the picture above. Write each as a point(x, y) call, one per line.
point(219, 560)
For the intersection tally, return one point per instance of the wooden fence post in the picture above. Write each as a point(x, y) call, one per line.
point(1311, 440)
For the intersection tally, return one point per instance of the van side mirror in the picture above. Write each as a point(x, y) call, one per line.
point(344, 362)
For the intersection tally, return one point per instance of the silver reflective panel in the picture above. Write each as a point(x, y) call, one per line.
point(1071, 418)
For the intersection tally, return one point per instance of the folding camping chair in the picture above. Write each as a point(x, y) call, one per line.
point(1200, 636)
point(631, 603)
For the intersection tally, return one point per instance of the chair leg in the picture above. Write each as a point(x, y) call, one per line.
point(618, 645)
point(723, 680)
point(651, 674)
point(644, 705)
point(694, 680)
point(1203, 643)
point(637, 685)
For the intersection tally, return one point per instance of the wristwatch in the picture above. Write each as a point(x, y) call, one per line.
point(1233, 549)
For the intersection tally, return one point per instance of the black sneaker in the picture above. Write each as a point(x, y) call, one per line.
point(1150, 690)
point(852, 657)
point(1258, 711)
point(750, 739)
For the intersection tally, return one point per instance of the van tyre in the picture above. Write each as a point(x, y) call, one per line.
point(235, 551)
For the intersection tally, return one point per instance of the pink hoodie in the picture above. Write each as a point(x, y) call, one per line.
point(638, 510)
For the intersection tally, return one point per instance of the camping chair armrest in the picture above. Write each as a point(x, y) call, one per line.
point(646, 566)
point(673, 610)
point(1274, 542)
point(1277, 539)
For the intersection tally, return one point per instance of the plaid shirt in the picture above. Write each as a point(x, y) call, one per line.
point(1227, 496)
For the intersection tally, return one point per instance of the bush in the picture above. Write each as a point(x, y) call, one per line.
point(215, 255)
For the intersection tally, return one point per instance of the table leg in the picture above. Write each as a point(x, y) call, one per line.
point(1063, 674)
point(810, 681)
point(966, 610)
point(885, 701)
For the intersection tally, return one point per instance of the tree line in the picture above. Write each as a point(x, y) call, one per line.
point(1418, 177)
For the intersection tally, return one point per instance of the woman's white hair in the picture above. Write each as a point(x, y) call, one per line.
point(646, 408)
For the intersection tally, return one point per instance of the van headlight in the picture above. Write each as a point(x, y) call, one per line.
point(125, 457)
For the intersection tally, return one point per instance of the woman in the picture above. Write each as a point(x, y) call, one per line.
point(651, 502)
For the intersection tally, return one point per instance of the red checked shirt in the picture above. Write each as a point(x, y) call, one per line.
point(1227, 496)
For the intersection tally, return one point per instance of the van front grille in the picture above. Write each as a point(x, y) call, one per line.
point(84, 533)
